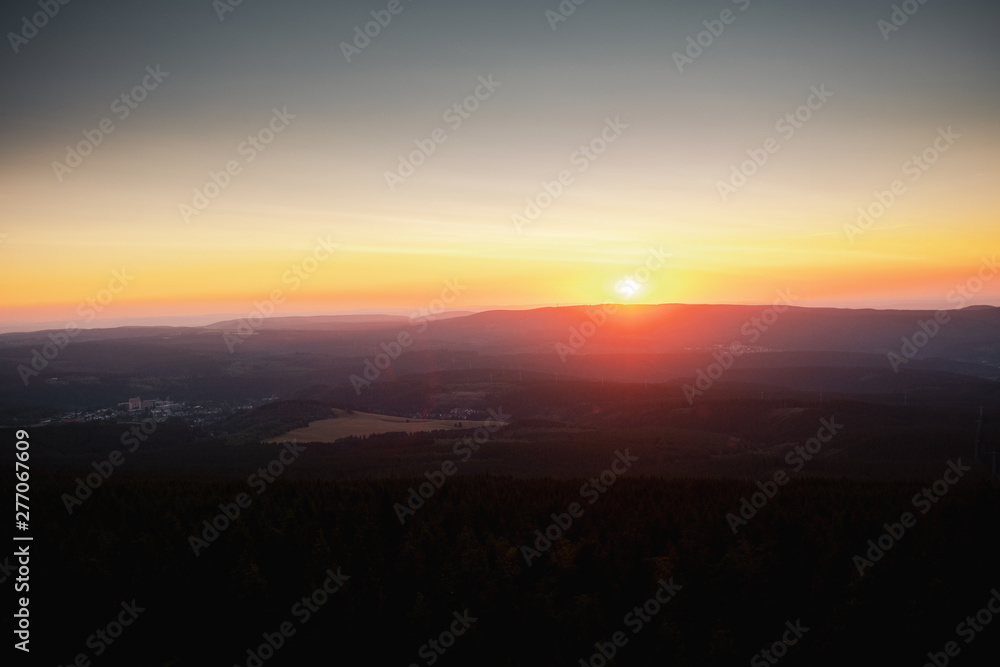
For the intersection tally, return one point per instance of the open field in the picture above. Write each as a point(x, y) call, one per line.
point(366, 423)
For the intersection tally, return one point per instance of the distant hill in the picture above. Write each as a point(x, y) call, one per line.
point(314, 322)
point(330, 322)
point(972, 333)
point(833, 350)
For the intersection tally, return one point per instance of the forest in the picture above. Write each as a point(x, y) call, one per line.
point(606, 523)
point(401, 584)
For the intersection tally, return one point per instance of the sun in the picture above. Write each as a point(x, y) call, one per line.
point(627, 287)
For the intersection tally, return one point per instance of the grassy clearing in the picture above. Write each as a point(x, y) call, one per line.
point(367, 423)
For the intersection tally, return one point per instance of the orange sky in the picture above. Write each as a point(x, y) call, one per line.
point(661, 143)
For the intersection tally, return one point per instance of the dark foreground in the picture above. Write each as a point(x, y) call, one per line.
point(330, 563)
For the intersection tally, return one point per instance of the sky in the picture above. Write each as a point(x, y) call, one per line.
point(482, 154)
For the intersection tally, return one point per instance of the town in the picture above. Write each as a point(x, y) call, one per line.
point(194, 412)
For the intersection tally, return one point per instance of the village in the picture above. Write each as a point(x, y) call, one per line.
point(134, 407)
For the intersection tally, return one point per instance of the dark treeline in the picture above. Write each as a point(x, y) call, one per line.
point(271, 419)
point(462, 551)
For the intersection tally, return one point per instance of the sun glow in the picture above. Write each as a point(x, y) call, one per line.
point(627, 288)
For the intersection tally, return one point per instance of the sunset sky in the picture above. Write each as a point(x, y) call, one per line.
point(607, 76)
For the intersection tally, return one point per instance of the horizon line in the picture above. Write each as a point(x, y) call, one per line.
point(202, 321)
